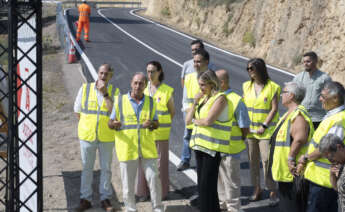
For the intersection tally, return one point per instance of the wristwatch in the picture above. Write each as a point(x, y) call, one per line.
point(264, 126)
point(305, 158)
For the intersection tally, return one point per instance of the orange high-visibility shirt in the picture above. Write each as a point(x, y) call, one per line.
point(84, 12)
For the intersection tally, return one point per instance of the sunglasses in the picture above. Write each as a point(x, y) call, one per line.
point(250, 68)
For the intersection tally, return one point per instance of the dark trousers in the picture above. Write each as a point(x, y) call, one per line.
point(207, 171)
point(293, 196)
point(322, 199)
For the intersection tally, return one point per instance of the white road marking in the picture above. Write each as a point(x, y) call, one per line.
point(206, 44)
point(87, 61)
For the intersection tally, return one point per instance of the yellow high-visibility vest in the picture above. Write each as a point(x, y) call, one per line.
point(318, 171)
point(259, 107)
point(192, 86)
point(280, 169)
point(237, 144)
point(132, 134)
point(162, 97)
point(93, 123)
point(215, 137)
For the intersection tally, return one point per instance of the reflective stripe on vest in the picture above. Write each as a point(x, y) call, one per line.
point(215, 137)
point(192, 86)
point(280, 169)
point(318, 171)
point(162, 97)
point(259, 107)
point(237, 144)
point(84, 13)
point(132, 134)
point(93, 123)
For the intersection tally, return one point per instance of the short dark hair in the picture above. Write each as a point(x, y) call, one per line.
point(203, 53)
point(107, 66)
point(260, 67)
point(312, 55)
point(336, 89)
point(198, 42)
point(159, 68)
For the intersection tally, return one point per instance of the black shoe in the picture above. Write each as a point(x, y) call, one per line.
point(194, 200)
point(183, 166)
point(84, 205)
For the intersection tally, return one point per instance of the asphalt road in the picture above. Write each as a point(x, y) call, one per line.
point(128, 42)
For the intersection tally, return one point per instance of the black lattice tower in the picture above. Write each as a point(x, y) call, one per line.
point(21, 139)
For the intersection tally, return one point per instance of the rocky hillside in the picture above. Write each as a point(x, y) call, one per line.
point(279, 31)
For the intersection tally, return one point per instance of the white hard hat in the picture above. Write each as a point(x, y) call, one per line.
point(83, 0)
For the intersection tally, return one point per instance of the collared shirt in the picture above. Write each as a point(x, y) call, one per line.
point(313, 85)
point(137, 107)
point(77, 102)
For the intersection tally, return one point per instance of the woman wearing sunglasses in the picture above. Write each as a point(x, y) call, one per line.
point(261, 96)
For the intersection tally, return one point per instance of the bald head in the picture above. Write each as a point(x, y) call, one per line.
point(223, 77)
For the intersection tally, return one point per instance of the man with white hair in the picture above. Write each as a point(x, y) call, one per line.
point(290, 138)
point(321, 196)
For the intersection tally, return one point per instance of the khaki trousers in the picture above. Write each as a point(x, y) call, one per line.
point(256, 149)
point(229, 183)
point(142, 189)
point(128, 174)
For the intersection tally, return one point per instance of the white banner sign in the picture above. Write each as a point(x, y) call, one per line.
point(27, 100)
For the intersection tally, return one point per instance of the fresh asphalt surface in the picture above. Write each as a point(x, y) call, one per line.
point(127, 56)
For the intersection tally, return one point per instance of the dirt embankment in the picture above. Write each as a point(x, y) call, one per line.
point(279, 31)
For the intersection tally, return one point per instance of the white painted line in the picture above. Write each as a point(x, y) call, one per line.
point(206, 44)
point(87, 61)
point(189, 172)
point(50, 2)
point(172, 157)
point(139, 41)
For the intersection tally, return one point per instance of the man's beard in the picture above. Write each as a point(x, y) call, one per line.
point(307, 69)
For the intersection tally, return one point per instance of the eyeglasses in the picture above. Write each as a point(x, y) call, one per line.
point(250, 68)
point(281, 94)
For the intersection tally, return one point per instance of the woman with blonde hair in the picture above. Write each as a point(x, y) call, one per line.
point(210, 137)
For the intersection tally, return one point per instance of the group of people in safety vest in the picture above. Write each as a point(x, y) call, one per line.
point(220, 125)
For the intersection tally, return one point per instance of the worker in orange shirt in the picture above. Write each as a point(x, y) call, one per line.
point(84, 20)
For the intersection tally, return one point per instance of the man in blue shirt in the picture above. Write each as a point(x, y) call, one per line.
point(129, 166)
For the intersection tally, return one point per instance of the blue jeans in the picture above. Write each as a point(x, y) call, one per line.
point(186, 151)
point(88, 156)
point(322, 199)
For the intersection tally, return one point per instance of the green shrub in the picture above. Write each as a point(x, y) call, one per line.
point(249, 38)
point(166, 11)
point(226, 29)
point(297, 59)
